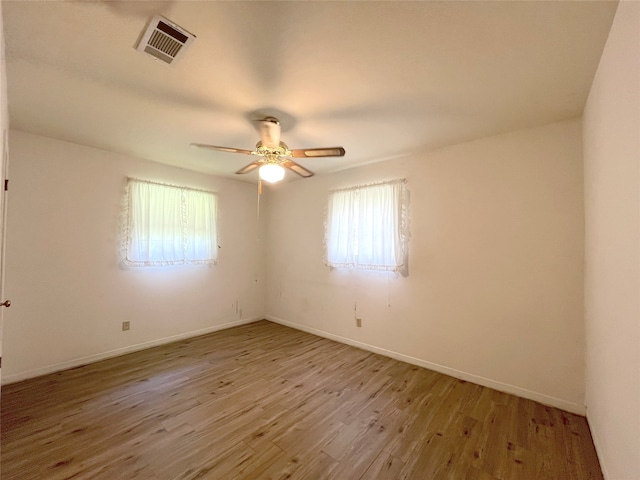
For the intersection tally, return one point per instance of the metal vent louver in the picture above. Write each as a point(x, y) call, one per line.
point(164, 40)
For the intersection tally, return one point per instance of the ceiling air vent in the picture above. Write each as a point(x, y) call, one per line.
point(165, 40)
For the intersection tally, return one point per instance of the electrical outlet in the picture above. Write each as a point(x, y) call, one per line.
point(358, 322)
point(125, 326)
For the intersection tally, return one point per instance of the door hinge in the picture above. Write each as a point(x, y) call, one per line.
point(6, 184)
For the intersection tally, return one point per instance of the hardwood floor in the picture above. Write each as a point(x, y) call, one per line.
point(263, 401)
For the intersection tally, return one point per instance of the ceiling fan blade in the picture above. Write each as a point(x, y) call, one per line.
point(318, 152)
point(270, 132)
point(297, 168)
point(221, 149)
point(248, 168)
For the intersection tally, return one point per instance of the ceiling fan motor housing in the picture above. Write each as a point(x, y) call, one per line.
point(270, 132)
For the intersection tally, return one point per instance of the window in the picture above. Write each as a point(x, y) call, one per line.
point(366, 227)
point(169, 225)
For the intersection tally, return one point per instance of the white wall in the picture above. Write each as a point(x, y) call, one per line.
point(69, 293)
point(495, 286)
point(612, 268)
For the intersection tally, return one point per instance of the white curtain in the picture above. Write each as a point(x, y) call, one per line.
point(168, 225)
point(366, 227)
point(202, 238)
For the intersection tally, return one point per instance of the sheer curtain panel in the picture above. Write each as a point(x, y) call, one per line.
point(168, 225)
point(366, 227)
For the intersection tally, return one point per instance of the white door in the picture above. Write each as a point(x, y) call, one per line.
point(4, 166)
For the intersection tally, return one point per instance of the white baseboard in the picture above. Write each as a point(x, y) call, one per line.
point(486, 382)
point(599, 452)
point(77, 362)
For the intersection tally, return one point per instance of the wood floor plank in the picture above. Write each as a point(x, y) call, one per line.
point(384, 467)
point(263, 401)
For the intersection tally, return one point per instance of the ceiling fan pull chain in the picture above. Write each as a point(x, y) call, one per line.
point(258, 211)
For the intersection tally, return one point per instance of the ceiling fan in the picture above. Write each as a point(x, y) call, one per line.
point(274, 155)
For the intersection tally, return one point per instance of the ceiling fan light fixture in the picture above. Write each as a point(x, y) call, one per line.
point(271, 172)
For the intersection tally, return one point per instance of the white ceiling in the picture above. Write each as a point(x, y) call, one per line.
point(381, 79)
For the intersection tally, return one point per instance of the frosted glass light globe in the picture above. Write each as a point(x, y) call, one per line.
point(271, 173)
